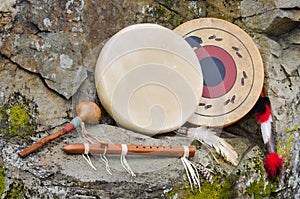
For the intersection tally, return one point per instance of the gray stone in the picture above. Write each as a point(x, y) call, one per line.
point(250, 8)
point(7, 14)
point(255, 7)
point(287, 3)
point(91, 56)
point(48, 15)
point(290, 60)
point(56, 55)
point(290, 38)
point(52, 109)
point(284, 97)
point(295, 89)
point(271, 52)
point(269, 21)
point(284, 89)
point(61, 67)
point(86, 92)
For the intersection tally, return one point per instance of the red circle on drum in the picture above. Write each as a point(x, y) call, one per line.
point(214, 60)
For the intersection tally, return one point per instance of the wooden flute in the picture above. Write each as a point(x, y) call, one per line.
point(101, 148)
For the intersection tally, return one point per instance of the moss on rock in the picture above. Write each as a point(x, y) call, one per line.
point(263, 188)
point(223, 187)
point(19, 121)
point(18, 116)
point(295, 128)
point(258, 186)
point(287, 150)
point(2, 179)
point(16, 191)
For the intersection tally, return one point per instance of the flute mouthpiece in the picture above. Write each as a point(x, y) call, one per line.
point(73, 148)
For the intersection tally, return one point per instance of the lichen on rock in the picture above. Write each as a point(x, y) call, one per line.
point(18, 116)
point(2, 179)
point(7, 15)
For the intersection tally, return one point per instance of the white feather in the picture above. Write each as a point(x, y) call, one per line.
point(210, 138)
point(266, 130)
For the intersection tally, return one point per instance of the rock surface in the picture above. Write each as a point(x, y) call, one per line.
point(52, 110)
point(48, 51)
point(52, 166)
point(57, 174)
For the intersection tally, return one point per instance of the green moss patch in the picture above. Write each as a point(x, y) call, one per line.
point(295, 128)
point(18, 116)
point(287, 150)
point(2, 180)
point(260, 186)
point(263, 188)
point(223, 187)
point(16, 191)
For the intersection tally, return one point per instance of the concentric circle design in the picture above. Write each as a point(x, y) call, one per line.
point(232, 70)
point(208, 71)
point(219, 70)
point(147, 78)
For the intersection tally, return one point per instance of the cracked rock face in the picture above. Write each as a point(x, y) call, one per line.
point(48, 51)
point(55, 56)
point(270, 17)
point(52, 110)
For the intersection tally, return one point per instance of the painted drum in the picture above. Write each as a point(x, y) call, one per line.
point(147, 78)
point(232, 67)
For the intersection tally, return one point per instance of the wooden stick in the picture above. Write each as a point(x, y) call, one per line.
point(39, 144)
point(177, 151)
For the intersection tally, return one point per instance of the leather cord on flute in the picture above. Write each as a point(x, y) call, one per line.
point(87, 112)
point(100, 148)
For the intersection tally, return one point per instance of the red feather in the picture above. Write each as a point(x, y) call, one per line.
point(273, 164)
point(263, 111)
point(263, 117)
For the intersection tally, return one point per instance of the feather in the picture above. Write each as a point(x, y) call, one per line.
point(209, 137)
point(190, 169)
point(266, 130)
point(205, 172)
point(273, 164)
point(263, 109)
point(264, 118)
